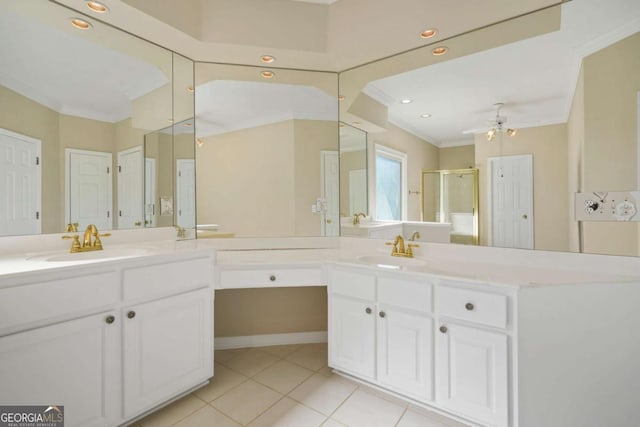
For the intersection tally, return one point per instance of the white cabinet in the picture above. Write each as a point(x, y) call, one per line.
point(352, 332)
point(472, 373)
point(73, 363)
point(167, 348)
point(109, 342)
point(404, 351)
point(380, 330)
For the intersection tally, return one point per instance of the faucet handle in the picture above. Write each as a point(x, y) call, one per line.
point(395, 247)
point(97, 243)
point(409, 250)
point(75, 245)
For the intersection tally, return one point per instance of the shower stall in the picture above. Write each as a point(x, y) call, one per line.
point(451, 196)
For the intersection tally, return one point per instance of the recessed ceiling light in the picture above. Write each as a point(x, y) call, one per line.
point(267, 74)
point(97, 7)
point(406, 101)
point(190, 89)
point(80, 24)
point(440, 50)
point(340, 97)
point(188, 124)
point(170, 120)
point(425, 116)
point(356, 123)
point(427, 34)
point(341, 125)
point(267, 59)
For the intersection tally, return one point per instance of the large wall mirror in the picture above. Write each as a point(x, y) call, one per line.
point(267, 152)
point(543, 106)
point(78, 98)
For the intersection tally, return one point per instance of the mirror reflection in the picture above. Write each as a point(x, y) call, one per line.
point(543, 105)
point(267, 156)
point(75, 106)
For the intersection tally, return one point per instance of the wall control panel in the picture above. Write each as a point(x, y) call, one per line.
point(607, 206)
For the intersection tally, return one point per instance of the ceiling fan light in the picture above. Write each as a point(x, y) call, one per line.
point(491, 135)
point(512, 132)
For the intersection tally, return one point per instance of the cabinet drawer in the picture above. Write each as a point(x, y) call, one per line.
point(474, 306)
point(405, 293)
point(352, 284)
point(264, 277)
point(55, 299)
point(166, 279)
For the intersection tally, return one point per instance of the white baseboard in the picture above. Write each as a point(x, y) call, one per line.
point(223, 343)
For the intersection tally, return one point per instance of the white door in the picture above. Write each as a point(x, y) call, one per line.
point(168, 348)
point(472, 372)
point(357, 191)
point(186, 193)
point(352, 333)
point(511, 180)
point(74, 364)
point(404, 352)
point(20, 181)
point(330, 193)
point(149, 192)
point(130, 188)
point(88, 188)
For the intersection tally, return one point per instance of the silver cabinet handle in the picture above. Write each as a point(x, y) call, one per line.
point(382, 314)
point(131, 314)
point(110, 319)
point(368, 310)
point(443, 329)
point(469, 306)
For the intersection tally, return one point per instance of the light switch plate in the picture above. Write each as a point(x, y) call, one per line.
point(607, 206)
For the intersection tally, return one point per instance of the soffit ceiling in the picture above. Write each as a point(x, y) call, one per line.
point(535, 78)
point(319, 35)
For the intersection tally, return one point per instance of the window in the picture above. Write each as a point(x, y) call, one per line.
point(391, 183)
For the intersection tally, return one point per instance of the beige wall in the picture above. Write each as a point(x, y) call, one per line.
point(548, 146)
point(457, 157)
point(245, 181)
point(611, 84)
point(421, 155)
point(241, 312)
point(24, 116)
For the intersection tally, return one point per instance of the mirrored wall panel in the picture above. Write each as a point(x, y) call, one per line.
point(544, 105)
point(267, 161)
point(77, 98)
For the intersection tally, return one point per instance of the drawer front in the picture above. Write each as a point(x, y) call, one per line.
point(474, 306)
point(167, 278)
point(57, 299)
point(352, 284)
point(263, 277)
point(411, 294)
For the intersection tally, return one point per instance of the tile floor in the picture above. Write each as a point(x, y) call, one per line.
point(287, 386)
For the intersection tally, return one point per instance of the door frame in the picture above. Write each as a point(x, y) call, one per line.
point(67, 181)
point(489, 200)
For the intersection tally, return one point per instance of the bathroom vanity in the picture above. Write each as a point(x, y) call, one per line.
point(110, 339)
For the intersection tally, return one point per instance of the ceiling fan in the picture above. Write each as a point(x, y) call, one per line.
point(495, 125)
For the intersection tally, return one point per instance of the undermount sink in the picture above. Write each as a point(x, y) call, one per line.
point(105, 254)
point(391, 261)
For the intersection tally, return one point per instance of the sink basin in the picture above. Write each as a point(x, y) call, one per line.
point(105, 254)
point(390, 261)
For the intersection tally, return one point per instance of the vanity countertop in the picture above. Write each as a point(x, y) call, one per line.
point(14, 266)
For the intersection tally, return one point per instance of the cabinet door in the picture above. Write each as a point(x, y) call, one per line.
point(405, 361)
point(352, 335)
point(168, 348)
point(74, 364)
point(472, 373)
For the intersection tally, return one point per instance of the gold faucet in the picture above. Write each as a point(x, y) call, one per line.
point(414, 236)
point(87, 245)
point(181, 233)
point(72, 227)
point(399, 248)
point(356, 218)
